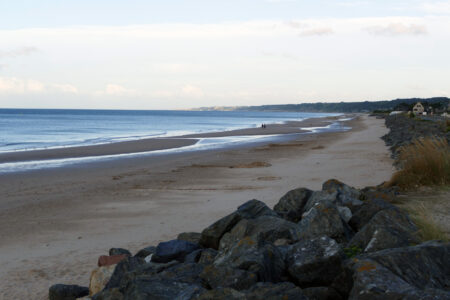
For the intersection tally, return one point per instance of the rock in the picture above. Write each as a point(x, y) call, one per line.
point(251, 254)
point(346, 195)
point(267, 228)
point(275, 291)
point(207, 257)
point(186, 272)
point(314, 262)
point(99, 278)
point(317, 197)
point(119, 251)
point(105, 260)
point(211, 235)
point(143, 253)
point(67, 292)
point(389, 228)
point(145, 287)
point(126, 265)
point(322, 293)
point(193, 237)
point(251, 209)
point(416, 272)
point(194, 256)
point(173, 250)
point(112, 294)
point(324, 219)
point(221, 294)
point(291, 205)
point(221, 277)
point(367, 211)
point(345, 213)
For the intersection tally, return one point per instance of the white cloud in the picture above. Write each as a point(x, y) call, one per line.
point(192, 91)
point(317, 31)
point(442, 7)
point(22, 51)
point(13, 85)
point(116, 90)
point(396, 29)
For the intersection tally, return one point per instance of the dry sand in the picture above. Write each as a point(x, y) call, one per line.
point(55, 223)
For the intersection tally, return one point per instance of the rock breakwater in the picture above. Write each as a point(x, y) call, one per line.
point(337, 243)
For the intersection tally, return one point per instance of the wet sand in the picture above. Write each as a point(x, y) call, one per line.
point(54, 223)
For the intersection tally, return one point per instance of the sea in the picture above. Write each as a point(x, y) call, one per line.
point(37, 129)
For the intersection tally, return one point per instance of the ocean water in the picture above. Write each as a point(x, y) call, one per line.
point(28, 129)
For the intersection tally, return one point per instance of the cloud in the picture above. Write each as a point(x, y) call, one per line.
point(13, 85)
point(116, 90)
point(352, 3)
point(191, 91)
point(317, 31)
point(22, 51)
point(397, 29)
point(436, 7)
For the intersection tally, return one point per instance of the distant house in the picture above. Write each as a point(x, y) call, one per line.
point(418, 109)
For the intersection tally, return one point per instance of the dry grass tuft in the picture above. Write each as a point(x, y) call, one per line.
point(426, 162)
point(428, 228)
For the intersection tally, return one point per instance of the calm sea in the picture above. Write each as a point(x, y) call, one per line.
point(27, 129)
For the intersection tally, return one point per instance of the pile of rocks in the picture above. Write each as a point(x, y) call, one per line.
point(403, 130)
point(337, 243)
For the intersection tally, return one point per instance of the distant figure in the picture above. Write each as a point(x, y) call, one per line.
point(263, 125)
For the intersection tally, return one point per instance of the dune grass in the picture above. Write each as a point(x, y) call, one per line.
point(425, 162)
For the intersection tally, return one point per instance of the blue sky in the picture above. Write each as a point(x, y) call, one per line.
point(182, 54)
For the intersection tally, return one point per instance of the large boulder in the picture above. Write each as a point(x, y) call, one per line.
point(173, 250)
point(291, 205)
point(370, 207)
point(193, 237)
point(416, 272)
point(145, 252)
point(251, 209)
point(267, 228)
point(105, 260)
point(322, 293)
point(111, 294)
point(119, 251)
point(389, 228)
point(221, 294)
point(127, 265)
point(275, 291)
point(318, 197)
point(67, 292)
point(314, 262)
point(145, 287)
point(253, 255)
point(227, 277)
point(187, 273)
point(346, 195)
point(324, 219)
point(99, 278)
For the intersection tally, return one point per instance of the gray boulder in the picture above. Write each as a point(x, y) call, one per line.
point(251, 209)
point(186, 272)
point(345, 213)
point(251, 254)
point(291, 205)
point(193, 237)
point(324, 219)
point(267, 228)
point(223, 277)
point(389, 228)
point(346, 196)
point(119, 251)
point(416, 272)
point(317, 197)
point(147, 288)
point(143, 253)
point(314, 262)
point(275, 291)
point(173, 250)
point(207, 257)
point(221, 294)
point(112, 294)
point(67, 292)
point(322, 293)
point(123, 267)
point(367, 211)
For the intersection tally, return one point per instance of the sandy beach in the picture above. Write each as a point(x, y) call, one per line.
point(54, 223)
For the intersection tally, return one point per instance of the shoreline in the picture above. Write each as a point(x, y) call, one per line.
point(149, 145)
point(55, 222)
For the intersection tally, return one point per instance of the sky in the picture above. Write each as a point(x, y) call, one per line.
point(173, 54)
